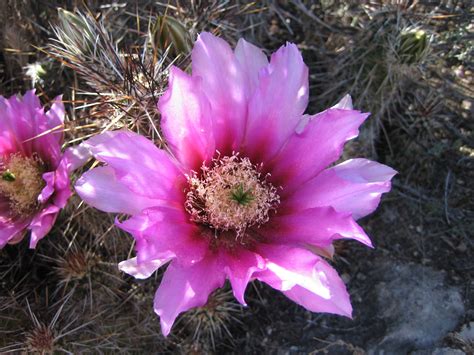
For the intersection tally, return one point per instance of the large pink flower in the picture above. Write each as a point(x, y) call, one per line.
point(244, 190)
point(34, 182)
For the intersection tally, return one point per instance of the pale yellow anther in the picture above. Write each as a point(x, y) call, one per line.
point(230, 195)
point(21, 183)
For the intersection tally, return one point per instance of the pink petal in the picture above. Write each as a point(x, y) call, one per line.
point(101, 189)
point(139, 164)
point(17, 237)
point(12, 232)
point(345, 103)
point(338, 304)
point(277, 105)
point(24, 123)
point(62, 188)
point(223, 83)
point(183, 288)
point(141, 270)
point(55, 115)
point(252, 60)
point(48, 190)
point(47, 148)
point(305, 278)
point(76, 156)
point(354, 186)
point(42, 224)
point(316, 226)
point(240, 266)
point(7, 143)
point(17, 125)
point(55, 119)
point(31, 100)
point(163, 232)
point(321, 143)
point(186, 120)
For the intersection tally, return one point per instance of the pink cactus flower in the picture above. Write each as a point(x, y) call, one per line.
point(34, 181)
point(244, 190)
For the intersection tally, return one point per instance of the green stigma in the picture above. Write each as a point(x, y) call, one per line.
point(8, 176)
point(240, 196)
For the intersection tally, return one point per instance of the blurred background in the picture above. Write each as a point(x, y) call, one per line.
point(409, 63)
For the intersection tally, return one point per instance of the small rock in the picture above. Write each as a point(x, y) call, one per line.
point(418, 307)
point(447, 351)
point(439, 351)
point(467, 333)
point(462, 247)
point(466, 105)
point(459, 72)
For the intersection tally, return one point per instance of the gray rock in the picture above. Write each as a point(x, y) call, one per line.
point(439, 351)
point(418, 308)
point(447, 351)
point(467, 333)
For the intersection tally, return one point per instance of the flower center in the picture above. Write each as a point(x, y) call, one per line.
point(21, 182)
point(230, 195)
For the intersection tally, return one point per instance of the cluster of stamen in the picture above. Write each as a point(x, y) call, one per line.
point(21, 183)
point(230, 194)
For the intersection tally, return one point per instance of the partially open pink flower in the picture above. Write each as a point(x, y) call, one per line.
point(34, 182)
point(244, 191)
